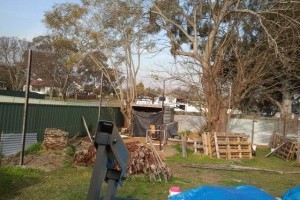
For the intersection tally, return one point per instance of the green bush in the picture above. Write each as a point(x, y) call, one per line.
point(185, 131)
point(34, 148)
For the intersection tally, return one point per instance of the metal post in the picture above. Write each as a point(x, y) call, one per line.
point(163, 100)
point(163, 110)
point(252, 134)
point(25, 107)
point(100, 97)
point(111, 190)
point(298, 140)
point(229, 105)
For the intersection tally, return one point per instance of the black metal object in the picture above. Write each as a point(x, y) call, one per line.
point(110, 150)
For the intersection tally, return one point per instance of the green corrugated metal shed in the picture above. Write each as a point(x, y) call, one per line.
point(21, 94)
point(64, 117)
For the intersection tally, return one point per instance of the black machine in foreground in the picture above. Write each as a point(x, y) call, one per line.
point(110, 150)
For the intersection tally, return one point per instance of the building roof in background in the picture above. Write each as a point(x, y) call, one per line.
point(38, 83)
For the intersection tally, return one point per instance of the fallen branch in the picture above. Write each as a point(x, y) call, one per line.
point(87, 129)
point(238, 168)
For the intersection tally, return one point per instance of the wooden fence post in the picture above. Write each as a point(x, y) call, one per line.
point(183, 146)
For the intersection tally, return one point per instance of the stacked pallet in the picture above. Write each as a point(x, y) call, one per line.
point(226, 145)
point(233, 146)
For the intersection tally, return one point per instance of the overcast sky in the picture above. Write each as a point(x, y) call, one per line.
point(23, 18)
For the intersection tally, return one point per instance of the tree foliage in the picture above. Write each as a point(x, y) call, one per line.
point(232, 49)
point(53, 61)
point(114, 29)
point(12, 65)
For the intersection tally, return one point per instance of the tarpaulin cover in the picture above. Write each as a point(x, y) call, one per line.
point(244, 192)
point(143, 120)
point(292, 194)
point(171, 129)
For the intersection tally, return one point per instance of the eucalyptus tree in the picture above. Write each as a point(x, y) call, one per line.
point(47, 65)
point(12, 64)
point(91, 77)
point(114, 28)
point(52, 62)
point(231, 47)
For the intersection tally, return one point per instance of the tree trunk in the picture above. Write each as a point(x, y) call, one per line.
point(127, 122)
point(221, 124)
point(217, 103)
point(217, 116)
point(64, 94)
point(286, 103)
point(126, 112)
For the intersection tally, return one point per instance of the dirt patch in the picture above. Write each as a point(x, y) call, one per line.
point(45, 161)
point(53, 159)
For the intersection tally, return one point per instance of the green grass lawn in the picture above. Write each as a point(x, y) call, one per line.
point(72, 183)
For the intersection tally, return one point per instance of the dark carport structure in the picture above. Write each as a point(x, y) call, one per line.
point(145, 115)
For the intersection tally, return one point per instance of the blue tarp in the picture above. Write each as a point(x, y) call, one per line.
point(292, 194)
point(243, 192)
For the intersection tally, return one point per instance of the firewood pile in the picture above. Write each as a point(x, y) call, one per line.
point(144, 159)
point(55, 139)
point(85, 154)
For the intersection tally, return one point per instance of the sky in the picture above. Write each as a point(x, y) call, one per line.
point(23, 18)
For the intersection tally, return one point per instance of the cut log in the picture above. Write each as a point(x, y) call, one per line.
point(85, 154)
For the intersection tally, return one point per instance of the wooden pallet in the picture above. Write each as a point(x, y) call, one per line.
point(227, 146)
point(285, 148)
point(234, 146)
point(208, 144)
point(287, 151)
point(276, 140)
point(198, 146)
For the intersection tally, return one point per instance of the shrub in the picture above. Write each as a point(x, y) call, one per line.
point(34, 148)
point(185, 132)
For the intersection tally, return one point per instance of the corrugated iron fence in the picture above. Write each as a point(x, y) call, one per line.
point(10, 143)
point(44, 114)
